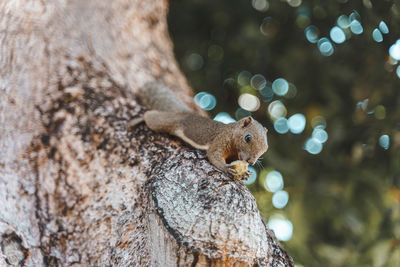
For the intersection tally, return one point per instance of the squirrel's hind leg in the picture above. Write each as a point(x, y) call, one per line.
point(161, 121)
point(155, 120)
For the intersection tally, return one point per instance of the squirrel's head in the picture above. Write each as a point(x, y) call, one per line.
point(252, 140)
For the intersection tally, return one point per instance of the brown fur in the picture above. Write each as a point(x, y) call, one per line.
point(223, 143)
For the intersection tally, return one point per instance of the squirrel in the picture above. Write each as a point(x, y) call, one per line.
point(226, 145)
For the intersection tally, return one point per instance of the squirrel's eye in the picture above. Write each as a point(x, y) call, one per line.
point(247, 138)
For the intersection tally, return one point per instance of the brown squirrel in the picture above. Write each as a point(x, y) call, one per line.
point(244, 140)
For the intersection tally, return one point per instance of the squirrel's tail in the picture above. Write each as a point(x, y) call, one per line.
point(157, 96)
point(134, 122)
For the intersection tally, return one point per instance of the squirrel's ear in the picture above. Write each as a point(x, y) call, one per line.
point(246, 121)
point(266, 130)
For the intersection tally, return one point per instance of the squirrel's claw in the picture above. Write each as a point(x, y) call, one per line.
point(230, 170)
point(246, 175)
point(233, 173)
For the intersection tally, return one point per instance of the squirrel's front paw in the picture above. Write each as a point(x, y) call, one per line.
point(231, 171)
point(238, 170)
point(247, 175)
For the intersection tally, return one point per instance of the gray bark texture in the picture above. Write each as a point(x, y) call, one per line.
point(77, 188)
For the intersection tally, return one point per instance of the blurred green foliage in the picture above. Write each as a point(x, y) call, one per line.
point(344, 202)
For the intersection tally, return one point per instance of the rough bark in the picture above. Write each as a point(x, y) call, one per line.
point(79, 188)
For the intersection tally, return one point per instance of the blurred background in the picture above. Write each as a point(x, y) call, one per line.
point(324, 78)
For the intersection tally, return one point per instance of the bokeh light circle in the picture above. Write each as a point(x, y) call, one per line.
point(343, 22)
point(273, 181)
point(260, 5)
point(398, 71)
point(384, 141)
point(280, 199)
point(280, 86)
point(277, 109)
point(249, 102)
point(325, 47)
point(337, 35)
point(194, 61)
point(377, 36)
point(354, 16)
point(311, 33)
point(313, 146)
point(267, 27)
point(205, 100)
point(243, 78)
point(297, 123)
point(320, 134)
point(281, 126)
point(267, 91)
point(383, 27)
point(294, 3)
point(258, 82)
point(282, 228)
point(356, 27)
point(394, 50)
point(380, 112)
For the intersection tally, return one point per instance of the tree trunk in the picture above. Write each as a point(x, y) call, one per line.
point(79, 188)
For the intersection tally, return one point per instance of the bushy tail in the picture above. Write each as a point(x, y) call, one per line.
point(157, 96)
point(134, 122)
